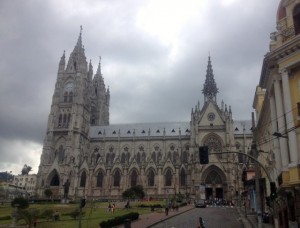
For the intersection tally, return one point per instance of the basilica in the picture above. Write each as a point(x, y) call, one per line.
point(101, 160)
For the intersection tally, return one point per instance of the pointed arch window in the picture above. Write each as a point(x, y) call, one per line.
point(60, 120)
point(133, 181)
point(97, 158)
point(65, 120)
point(66, 97)
point(143, 157)
point(182, 178)
point(296, 18)
point(100, 179)
point(117, 178)
point(213, 178)
point(108, 158)
point(184, 157)
point(112, 158)
point(123, 158)
point(83, 179)
point(169, 155)
point(153, 156)
point(168, 178)
point(127, 157)
point(55, 180)
point(138, 158)
point(151, 178)
point(61, 154)
point(93, 119)
point(71, 97)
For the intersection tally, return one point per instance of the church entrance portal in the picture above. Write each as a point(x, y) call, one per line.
point(214, 180)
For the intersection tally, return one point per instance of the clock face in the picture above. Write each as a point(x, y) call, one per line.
point(211, 116)
point(69, 86)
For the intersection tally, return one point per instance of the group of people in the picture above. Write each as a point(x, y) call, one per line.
point(170, 206)
point(111, 208)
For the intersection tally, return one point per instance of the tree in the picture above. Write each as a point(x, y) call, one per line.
point(26, 169)
point(134, 192)
point(48, 193)
point(20, 203)
point(29, 216)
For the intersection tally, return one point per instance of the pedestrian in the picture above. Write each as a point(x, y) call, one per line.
point(109, 207)
point(113, 208)
point(167, 211)
point(201, 223)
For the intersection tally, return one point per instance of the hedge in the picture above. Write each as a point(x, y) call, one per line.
point(119, 220)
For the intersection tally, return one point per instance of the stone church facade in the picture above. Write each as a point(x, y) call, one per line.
point(101, 160)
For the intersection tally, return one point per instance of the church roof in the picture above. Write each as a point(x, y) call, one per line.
point(168, 129)
point(239, 126)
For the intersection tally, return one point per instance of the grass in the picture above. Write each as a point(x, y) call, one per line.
point(93, 213)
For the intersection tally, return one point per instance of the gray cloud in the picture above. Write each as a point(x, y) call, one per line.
point(150, 80)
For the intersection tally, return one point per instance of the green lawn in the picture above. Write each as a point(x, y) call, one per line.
point(93, 214)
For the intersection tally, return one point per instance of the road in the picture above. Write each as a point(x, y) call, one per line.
point(214, 217)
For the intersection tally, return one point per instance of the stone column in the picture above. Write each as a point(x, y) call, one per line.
point(159, 182)
point(289, 118)
point(274, 129)
point(281, 124)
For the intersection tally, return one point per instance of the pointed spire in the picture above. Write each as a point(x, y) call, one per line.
point(99, 67)
point(79, 41)
point(210, 89)
point(90, 74)
point(62, 62)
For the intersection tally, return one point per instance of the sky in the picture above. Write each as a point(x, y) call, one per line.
point(154, 55)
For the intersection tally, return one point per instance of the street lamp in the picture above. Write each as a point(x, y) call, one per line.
point(278, 134)
point(7, 185)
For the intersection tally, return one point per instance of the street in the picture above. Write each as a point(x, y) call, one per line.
point(213, 217)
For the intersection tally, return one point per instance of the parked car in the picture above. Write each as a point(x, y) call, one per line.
point(200, 203)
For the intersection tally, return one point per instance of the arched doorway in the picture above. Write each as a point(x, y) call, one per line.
point(214, 183)
point(53, 181)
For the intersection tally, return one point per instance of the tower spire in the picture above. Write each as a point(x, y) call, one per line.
point(210, 89)
point(79, 41)
point(99, 66)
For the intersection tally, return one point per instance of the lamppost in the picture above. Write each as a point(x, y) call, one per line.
point(7, 185)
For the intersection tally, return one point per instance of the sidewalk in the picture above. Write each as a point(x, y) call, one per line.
point(148, 220)
point(251, 221)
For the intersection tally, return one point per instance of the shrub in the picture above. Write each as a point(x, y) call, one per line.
point(75, 214)
point(20, 203)
point(7, 217)
point(119, 220)
point(47, 214)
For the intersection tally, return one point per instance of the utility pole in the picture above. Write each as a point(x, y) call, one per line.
point(254, 152)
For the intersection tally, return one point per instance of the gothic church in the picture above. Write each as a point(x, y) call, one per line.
point(101, 160)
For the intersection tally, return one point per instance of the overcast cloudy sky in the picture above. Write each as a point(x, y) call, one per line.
point(154, 58)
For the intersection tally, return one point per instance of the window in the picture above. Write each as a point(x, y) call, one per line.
point(107, 158)
point(66, 97)
point(151, 178)
point(296, 18)
point(138, 158)
point(61, 154)
point(117, 178)
point(60, 121)
point(54, 180)
point(97, 158)
point(153, 156)
point(123, 158)
point(100, 179)
point(184, 157)
point(71, 97)
point(83, 179)
point(133, 181)
point(182, 178)
point(168, 178)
